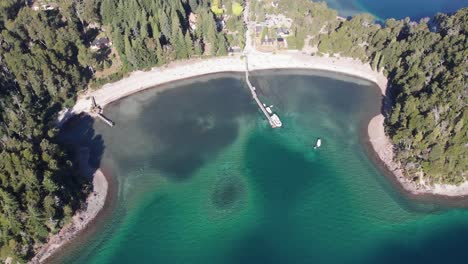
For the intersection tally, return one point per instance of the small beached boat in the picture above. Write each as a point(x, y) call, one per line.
point(318, 144)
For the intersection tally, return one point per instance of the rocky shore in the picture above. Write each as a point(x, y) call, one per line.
point(93, 205)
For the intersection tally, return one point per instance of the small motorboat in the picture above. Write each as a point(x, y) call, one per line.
point(318, 144)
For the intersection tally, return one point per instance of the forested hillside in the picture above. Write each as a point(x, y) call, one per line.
point(39, 74)
point(152, 32)
point(46, 59)
point(425, 63)
point(428, 121)
point(426, 66)
point(148, 33)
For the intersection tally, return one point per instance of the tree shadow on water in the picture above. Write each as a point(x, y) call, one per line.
point(79, 135)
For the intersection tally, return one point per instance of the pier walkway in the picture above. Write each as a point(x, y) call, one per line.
point(273, 119)
point(97, 111)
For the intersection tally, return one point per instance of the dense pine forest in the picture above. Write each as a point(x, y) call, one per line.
point(40, 73)
point(47, 59)
point(426, 66)
point(149, 33)
point(425, 63)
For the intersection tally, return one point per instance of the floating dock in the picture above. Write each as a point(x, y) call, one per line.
point(274, 119)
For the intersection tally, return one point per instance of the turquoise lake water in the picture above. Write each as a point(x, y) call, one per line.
point(202, 178)
point(384, 9)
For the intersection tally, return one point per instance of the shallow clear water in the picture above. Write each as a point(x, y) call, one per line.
point(202, 178)
point(414, 9)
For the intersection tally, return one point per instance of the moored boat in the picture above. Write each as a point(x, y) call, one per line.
point(318, 144)
point(276, 122)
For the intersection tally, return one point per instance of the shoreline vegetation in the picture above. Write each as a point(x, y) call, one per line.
point(176, 71)
point(49, 53)
point(82, 218)
point(139, 81)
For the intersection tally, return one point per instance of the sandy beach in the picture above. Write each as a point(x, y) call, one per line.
point(139, 80)
point(94, 203)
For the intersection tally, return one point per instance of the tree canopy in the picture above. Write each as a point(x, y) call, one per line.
point(45, 60)
point(39, 74)
point(237, 9)
point(425, 63)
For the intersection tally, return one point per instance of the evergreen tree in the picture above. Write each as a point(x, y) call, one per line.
point(222, 45)
point(165, 24)
point(189, 44)
point(180, 46)
point(130, 57)
point(160, 53)
point(198, 51)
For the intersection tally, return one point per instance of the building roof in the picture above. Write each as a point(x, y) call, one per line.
point(282, 31)
point(100, 42)
point(267, 41)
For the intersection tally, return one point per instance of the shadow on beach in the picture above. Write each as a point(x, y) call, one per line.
point(78, 136)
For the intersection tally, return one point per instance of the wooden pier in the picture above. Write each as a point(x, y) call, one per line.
point(273, 119)
point(105, 119)
point(96, 110)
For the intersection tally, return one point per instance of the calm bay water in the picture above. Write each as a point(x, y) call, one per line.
point(202, 178)
point(414, 9)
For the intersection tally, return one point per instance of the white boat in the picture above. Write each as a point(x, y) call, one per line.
point(318, 144)
point(276, 121)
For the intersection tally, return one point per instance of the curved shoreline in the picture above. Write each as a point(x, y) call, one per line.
point(82, 218)
point(139, 81)
point(384, 149)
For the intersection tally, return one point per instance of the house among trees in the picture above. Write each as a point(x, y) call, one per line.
point(267, 41)
point(37, 5)
point(94, 25)
point(281, 42)
point(235, 49)
point(282, 32)
point(258, 30)
point(100, 43)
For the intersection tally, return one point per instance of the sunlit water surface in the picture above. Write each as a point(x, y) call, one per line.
point(202, 178)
